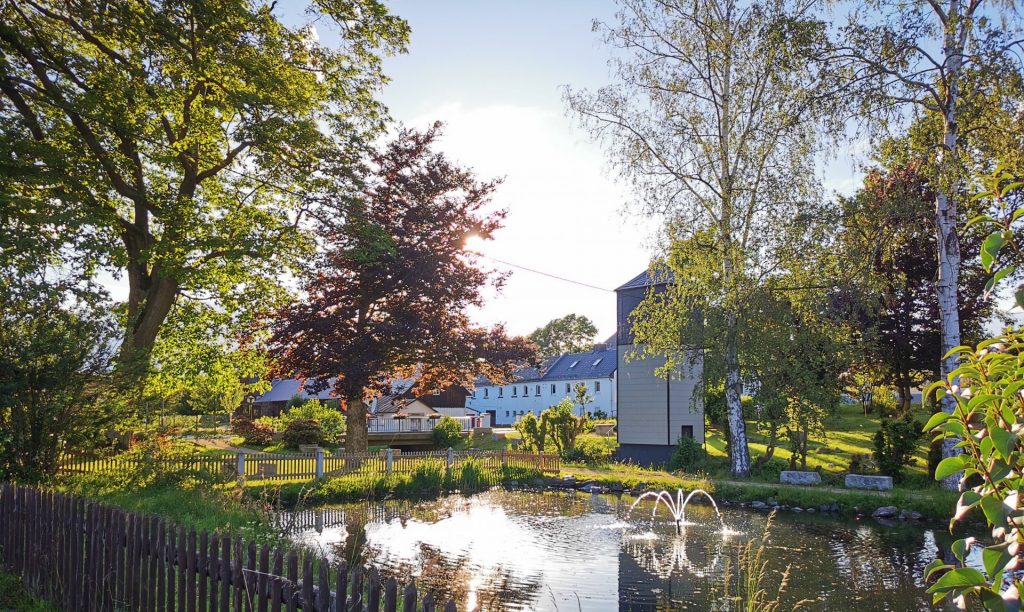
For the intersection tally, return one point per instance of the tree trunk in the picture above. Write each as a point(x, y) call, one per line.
point(945, 222)
point(355, 424)
point(905, 396)
point(740, 457)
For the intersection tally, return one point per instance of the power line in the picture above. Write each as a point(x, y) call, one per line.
point(556, 277)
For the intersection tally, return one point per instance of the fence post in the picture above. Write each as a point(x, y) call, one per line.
point(503, 459)
point(451, 457)
point(240, 466)
point(319, 463)
point(389, 461)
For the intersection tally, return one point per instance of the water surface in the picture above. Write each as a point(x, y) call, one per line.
point(571, 551)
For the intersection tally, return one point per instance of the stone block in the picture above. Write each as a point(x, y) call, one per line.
point(872, 483)
point(795, 477)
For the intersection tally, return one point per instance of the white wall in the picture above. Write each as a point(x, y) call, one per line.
point(509, 409)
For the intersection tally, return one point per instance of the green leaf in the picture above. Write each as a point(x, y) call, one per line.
point(998, 276)
point(1003, 440)
point(937, 419)
point(950, 465)
point(994, 511)
point(935, 566)
point(959, 578)
point(995, 558)
point(960, 549)
point(990, 249)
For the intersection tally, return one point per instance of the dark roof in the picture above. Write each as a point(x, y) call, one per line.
point(392, 403)
point(592, 364)
point(661, 276)
point(283, 389)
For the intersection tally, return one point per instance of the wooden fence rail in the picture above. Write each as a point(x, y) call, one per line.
point(83, 555)
point(299, 466)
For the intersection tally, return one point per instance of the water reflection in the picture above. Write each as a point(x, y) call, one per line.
point(531, 551)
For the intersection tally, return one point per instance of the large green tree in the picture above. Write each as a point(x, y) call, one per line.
point(713, 119)
point(572, 333)
point(178, 144)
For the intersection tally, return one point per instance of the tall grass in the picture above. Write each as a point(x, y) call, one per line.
point(746, 587)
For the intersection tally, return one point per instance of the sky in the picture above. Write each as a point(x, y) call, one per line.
point(494, 73)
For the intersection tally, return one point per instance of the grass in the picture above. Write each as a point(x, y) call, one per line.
point(14, 597)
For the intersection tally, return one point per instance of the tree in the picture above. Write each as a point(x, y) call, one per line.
point(887, 225)
point(572, 333)
point(714, 120)
point(921, 54)
point(582, 397)
point(179, 144)
point(389, 297)
point(54, 357)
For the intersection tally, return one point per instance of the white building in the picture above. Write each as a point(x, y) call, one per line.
point(537, 390)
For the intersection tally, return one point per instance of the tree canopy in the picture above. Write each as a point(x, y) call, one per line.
point(389, 298)
point(572, 333)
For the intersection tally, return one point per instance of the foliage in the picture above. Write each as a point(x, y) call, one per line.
point(592, 449)
point(751, 576)
point(564, 427)
point(183, 167)
point(447, 432)
point(582, 397)
point(534, 431)
point(390, 296)
point(330, 420)
point(55, 384)
point(255, 434)
point(302, 431)
point(727, 158)
point(572, 333)
point(895, 442)
point(688, 454)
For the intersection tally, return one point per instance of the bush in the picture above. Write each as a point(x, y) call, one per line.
point(592, 449)
point(331, 420)
point(256, 434)
point(447, 432)
point(688, 455)
point(302, 431)
point(884, 403)
point(895, 442)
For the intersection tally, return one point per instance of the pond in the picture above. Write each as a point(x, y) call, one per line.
point(506, 550)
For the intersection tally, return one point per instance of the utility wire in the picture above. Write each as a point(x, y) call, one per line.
point(561, 278)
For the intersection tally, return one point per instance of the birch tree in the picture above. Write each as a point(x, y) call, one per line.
point(917, 54)
point(714, 120)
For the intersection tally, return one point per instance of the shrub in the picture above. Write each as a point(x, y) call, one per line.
point(884, 403)
point(895, 442)
point(331, 420)
point(534, 431)
point(688, 455)
point(447, 432)
point(592, 449)
point(256, 434)
point(302, 431)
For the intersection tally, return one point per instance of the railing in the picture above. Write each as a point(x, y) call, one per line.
point(82, 555)
point(307, 466)
point(413, 425)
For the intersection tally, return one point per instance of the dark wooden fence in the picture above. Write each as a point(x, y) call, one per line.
point(83, 555)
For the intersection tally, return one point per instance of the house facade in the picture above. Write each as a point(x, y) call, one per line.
point(537, 389)
point(653, 411)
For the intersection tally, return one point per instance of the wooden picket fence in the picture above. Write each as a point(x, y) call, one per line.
point(83, 555)
point(307, 466)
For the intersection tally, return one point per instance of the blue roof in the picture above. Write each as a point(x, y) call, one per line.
point(283, 389)
point(661, 276)
point(592, 364)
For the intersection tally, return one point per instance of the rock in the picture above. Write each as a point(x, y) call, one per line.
point(904, 515)
point(833, 507)
point(811, 510)
point(885, 512)
point(616, 487)
point(872, 483)
point(513, 484)
point(798, 509)
point(824, 508)
point(538, 482)
point(795, 477)
point(772, 501)
point(757, 504)
point(915, 516)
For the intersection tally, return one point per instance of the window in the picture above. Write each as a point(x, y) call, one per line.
point(501, 391)
point(537, 391)
point(574, 364)
point(473, 395)
point(598, 361)
point(597, 386)
point(485, 392)
point(552, 389)
point(506, 414)
point(686, 431)
point(526, 390)
point(437, 392)
point(568, 388)
point(514, 389)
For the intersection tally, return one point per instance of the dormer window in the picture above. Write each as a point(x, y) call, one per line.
point(574, 364)
point(598, 361)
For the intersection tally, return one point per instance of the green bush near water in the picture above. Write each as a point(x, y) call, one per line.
point(447, 433)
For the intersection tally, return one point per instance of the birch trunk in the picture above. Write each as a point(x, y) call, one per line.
point(740, 456)
point(946, 218)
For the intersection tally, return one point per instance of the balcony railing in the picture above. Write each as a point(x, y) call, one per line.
point(385, 424)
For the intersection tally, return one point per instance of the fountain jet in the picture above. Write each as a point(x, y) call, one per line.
point(677, 506)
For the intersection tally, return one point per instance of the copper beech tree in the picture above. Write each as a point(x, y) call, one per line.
point(388, 299)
